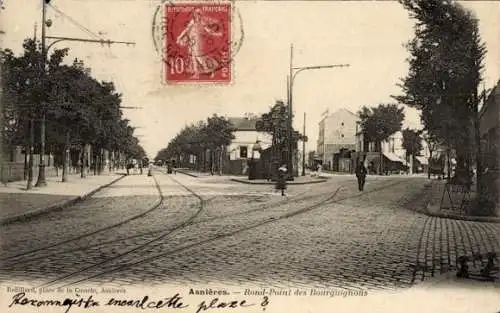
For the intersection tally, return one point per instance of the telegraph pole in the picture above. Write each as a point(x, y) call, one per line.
point(290, 118)
point(41, 173)
point(293, 73)
point(304, 147)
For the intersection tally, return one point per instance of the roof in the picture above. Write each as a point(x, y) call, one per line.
point(490, 98)
point(243, 123)
point(392, 157)
point(422, 160)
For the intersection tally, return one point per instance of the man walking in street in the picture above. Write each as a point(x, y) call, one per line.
point(361, 175)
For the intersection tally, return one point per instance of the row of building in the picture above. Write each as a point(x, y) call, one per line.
point(340, 143)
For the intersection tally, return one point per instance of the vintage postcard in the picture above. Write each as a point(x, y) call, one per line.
point(201, 156)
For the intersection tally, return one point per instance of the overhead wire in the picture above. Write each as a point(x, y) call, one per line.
point(72, 20)
point(111, 76)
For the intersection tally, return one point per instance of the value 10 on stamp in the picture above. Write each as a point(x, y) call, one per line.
point(197, 43)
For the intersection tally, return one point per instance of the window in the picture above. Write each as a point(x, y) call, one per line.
point(342, 135)
point(243, 152)
point(342, 124)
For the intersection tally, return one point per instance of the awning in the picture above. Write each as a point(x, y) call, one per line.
point(371, 157)
point(392, 157)
point(422, 160)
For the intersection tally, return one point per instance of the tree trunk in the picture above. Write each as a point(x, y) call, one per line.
point(26, 153)
point(429, 165)
point(111, 156)
point(204, 160)
point(83, 161)
point(30, 160)
point(448, 164)
point(411, 164)
point(220, 160)
point(66, 159)
point(477, 133)
point(212, 161)
point(100, 161)
point(380, 166)
point(94, 160)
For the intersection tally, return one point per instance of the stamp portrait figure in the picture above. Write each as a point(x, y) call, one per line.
point(193, 36)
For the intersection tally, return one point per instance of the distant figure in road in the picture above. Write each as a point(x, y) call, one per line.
point(281, 179)
point(361, 175)
point(129, 166)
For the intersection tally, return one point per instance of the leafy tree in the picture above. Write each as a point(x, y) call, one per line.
point(446, 60)
point(80, 110)
point(275, 122)
point(218, 133)
point(197, 139)
point(412, 143)
point(379, 123)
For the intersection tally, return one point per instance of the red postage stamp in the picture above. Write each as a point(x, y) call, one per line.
point(198, 43)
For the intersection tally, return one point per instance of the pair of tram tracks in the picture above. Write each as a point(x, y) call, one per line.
point(159, 204)
point(190, 221)
point(330, 199)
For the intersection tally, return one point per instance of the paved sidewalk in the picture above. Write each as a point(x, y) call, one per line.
point(436, 194)
point(17, 203)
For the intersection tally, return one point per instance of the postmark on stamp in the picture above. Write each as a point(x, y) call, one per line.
point(197, 42)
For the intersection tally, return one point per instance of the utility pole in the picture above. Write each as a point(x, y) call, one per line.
point(293, 73)
point(41, 173)
point(31, 145)
point(304, 147)
point(290, 118)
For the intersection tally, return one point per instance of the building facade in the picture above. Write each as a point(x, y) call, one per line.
point(393, 153)
point(490, 147)
point(489, 128)
point(242, 146)
point(337, 131)
point(245, 137)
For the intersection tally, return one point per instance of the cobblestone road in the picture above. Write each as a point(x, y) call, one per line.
point(322, 235)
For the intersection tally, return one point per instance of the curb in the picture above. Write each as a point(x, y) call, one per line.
point(321, 180)
point(56, 207)
point(487, 219)
point(188, 174)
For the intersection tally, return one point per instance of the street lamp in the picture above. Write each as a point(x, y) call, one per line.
point(41, 172)
point(294, 71)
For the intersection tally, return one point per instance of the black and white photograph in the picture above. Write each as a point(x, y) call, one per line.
point(249, 156)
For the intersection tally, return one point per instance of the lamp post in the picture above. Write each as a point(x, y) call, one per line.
point(294, 71)
point(304, 147)
point(41, 172)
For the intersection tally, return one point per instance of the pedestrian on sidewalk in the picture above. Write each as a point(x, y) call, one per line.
point(281, 179)
point(150, 169)
point(361, 175)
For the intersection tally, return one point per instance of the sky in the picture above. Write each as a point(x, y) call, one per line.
point(367, 35)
